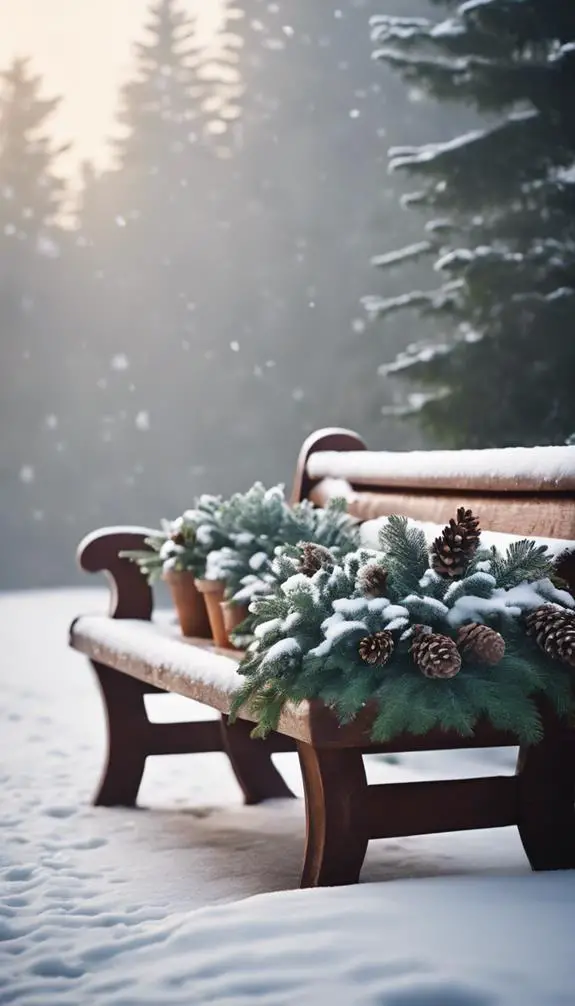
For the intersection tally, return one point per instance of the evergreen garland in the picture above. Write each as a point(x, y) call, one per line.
point(319, 637)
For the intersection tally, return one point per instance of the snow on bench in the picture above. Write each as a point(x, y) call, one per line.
point(519, 469)
point(158, 654)
point(369, 536)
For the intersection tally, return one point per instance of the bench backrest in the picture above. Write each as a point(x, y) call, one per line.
point(529, 492)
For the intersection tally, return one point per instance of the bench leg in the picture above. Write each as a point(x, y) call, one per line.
point(127, 737)
point(546, 800)
point(337, 826)
point(252, 763)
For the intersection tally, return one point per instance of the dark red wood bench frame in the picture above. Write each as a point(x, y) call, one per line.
point(343, 812)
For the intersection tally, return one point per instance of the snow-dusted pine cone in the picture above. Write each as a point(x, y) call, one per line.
point(372, 580)
point(481, 643)
point(436, 656)
point(376, 649)
point(314, 557)
point(452, 552)
point(553, 629)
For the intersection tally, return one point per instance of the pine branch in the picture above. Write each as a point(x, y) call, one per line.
point(525, 561)
point(406, 555)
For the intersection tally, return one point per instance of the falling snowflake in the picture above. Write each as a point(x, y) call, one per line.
point(142, 420)
point(47, 247)
point(119, 362)
point(235, 347)
point(27, 474)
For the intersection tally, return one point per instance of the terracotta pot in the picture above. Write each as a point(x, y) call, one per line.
point(233, 615)
point(189, 603)
point(213, 592)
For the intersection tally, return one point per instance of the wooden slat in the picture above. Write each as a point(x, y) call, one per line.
point(314, 723)
point(422, 808)
point(184, 738)
point(548, 515)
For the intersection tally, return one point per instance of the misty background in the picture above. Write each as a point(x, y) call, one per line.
point(181, 284)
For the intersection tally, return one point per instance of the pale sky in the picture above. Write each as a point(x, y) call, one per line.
point(82, 48)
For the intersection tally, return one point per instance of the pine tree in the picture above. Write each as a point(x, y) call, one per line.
point(32, 197)
point(160, 157)
point(500, 203)
point(31, 193)
point(34, 341)
point(154, 256)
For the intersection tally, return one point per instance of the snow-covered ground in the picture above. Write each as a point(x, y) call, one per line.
point(127, 907)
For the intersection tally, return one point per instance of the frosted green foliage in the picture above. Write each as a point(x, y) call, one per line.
point(269, 632)
point(281, 656)
point(322, 619)
point(479, 584)
point(354, 607)
point(406, 555)
point(523, 562)
point(265, 531)
point(433, 585)
point(184, 543)
point(555, 596)
point(342, 632)
point(426, 610)
point(502, 606)
point(355, 560)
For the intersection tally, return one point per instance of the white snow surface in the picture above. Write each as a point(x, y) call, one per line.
point(121, 907)
point(543, 468)
point(141, 640)
point(369, 536)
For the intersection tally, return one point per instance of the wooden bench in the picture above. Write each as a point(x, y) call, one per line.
point(134, 656)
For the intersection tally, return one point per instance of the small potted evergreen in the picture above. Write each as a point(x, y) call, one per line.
point(219, 555)
point(178, 553)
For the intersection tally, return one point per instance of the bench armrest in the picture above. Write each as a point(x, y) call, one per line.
point(99, 552)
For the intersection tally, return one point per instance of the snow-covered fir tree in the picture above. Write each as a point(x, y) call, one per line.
point(500, 208)
point(32, 196)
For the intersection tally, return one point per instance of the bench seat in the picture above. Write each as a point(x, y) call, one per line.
point(156, 653)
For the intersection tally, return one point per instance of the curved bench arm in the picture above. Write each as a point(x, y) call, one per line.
point(328, 439)
point(131, 595)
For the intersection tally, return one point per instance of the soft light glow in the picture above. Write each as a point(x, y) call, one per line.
point(83, 51)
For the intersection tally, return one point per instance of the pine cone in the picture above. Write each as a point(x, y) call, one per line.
point(481, 643)
point(453, 551)
point(436, 656)
point(377, 649)
point(372, 580)
point(314, 557)
point(554, 631)
point(178, 538)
